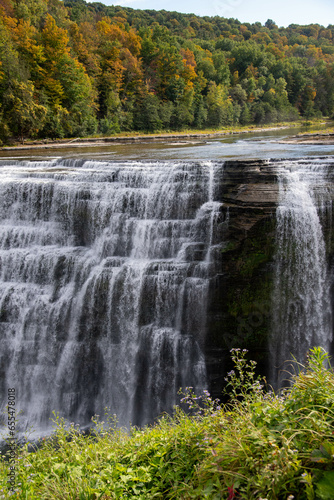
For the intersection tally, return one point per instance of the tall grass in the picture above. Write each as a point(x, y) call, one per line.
point(258, 446)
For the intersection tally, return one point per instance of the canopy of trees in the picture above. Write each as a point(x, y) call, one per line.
point(74, 68)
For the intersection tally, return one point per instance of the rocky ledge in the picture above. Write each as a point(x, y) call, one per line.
point(325, 139)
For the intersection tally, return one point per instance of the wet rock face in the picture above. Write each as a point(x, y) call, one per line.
point(252, 183)
point(239, 313)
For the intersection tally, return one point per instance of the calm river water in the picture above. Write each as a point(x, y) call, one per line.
point(263, 145)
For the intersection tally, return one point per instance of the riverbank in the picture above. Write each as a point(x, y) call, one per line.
point(185, 136)
point(311, 138)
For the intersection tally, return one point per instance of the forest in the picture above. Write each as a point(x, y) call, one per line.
point(74, 69)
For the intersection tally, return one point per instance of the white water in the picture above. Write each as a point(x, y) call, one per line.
point(104, 276)
point(301, 298)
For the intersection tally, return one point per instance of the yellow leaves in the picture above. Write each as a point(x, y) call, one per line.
point(131, 64)
point(190, 32)
point(251, 71)
point(25, 35)
point(133, 42)
point(189, 65)
point(273, 49)
point(117, 33)
point(55, 39)
point(261, 37)
point(188, 57)
point(84, 41)
point(113, 76)
point(118, 50)
point(90, 35)
point(302, 39)
point(189, 73)
point(25, 112)
point(104, 26)
point(279, 40)
point(119, 20)
point(235, 76)
point(314, 54)
point(54, 89)
point(217, 95)
point(9, 22)
point(325, 33)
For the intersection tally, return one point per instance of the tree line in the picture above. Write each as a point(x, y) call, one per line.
point(75, 69)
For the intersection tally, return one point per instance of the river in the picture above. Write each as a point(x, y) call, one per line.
point(262, 145)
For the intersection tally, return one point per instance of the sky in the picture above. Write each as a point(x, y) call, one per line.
point(283, 12)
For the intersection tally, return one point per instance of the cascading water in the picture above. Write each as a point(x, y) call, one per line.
point(301, 297)
point(105, 270)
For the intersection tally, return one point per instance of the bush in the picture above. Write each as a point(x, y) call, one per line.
point(258, 446)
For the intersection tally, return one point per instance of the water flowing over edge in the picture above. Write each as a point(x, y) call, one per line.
point(105, 271)
point(301, 301)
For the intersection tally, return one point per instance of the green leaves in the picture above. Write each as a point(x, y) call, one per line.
point(25, 116)
point(325, 486)
point(258, 446)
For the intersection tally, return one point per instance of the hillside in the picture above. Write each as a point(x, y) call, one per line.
point(73, 68)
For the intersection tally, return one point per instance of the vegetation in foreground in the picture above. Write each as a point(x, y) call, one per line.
point(258, 446)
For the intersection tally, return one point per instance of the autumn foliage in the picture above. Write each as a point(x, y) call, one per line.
point(74, 69)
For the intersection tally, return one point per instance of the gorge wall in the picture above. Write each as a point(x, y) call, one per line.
point(239, 313)
point(123, 281)
point(273, 293)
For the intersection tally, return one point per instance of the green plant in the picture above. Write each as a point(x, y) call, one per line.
point(242, 381)
point(259, 445)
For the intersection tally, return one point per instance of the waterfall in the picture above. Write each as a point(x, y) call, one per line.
point(301, 297)
point(104, 276)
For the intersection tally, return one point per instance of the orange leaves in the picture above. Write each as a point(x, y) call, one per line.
point(38, 48)
point(117, 33)
point(26, 37)
point(311, 92)
point(189, 63)
point(6, 7)
point(133, 43)
point(273, 49)
point(188, 57)
point(131, 64)
point(251, 71)
point(23, 33)
point(119, 48)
